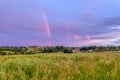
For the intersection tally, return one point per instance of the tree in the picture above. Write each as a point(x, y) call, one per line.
point(68, 50)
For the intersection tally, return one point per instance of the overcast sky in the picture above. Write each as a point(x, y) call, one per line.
point(59, 22)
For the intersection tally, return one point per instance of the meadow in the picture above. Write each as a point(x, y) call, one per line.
point(59, 66)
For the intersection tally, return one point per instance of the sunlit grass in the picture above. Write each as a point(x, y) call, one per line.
point(78, 66)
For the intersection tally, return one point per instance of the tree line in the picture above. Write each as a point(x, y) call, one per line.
point(8, 50)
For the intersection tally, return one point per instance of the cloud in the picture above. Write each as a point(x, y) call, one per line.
point(76, 37)
point(117, 27)
point(105, 33)
point(112, 21)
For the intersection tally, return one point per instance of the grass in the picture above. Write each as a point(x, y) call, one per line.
point(78, 66)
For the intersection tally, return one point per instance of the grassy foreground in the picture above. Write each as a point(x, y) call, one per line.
point(86, 66)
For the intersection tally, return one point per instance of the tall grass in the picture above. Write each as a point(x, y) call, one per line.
point(86, 66)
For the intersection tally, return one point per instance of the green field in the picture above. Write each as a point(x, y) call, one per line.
point(59, 66)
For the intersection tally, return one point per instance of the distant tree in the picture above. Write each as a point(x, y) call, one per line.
point(68, 50)
point(49, 50)
point(84, 48)
point(60, 48)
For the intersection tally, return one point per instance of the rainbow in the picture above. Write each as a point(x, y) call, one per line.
point(48, 31)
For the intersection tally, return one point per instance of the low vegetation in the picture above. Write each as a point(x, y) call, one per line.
point(59, 66)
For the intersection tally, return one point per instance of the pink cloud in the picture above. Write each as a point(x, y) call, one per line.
point(76, 37)
point(88, 37)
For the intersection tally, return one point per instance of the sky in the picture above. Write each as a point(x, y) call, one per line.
point(59, 22)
